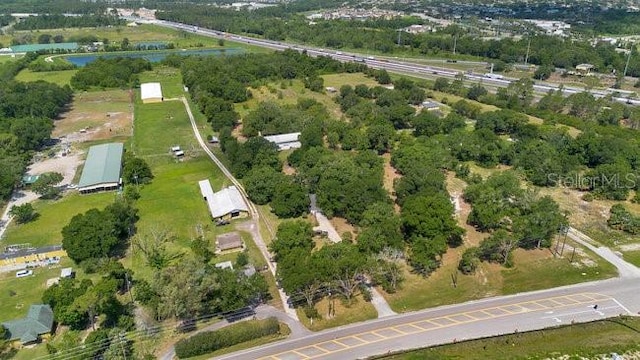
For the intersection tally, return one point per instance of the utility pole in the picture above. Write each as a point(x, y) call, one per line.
point(399, 37)
point(455, 44)
point(526, 58)
point(626, 66)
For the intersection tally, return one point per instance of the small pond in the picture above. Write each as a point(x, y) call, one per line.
point(152, 56)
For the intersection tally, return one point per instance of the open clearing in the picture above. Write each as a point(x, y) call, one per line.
point(359, 310)
point(96, 115)
point(61, 78)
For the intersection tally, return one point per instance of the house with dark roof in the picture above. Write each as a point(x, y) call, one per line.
point(38, 322)
point(229, 242)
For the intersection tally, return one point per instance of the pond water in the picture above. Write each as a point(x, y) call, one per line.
point(152, 56)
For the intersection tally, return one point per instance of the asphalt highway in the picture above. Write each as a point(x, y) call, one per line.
point(448, 324)
point(404, 67)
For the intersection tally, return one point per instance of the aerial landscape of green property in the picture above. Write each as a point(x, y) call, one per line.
point(319, 180)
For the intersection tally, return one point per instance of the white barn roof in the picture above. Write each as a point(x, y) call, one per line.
point(223, 202)
point(150, 91)
point(283, 138)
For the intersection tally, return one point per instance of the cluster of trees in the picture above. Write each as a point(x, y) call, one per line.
point(100, 234)
point(95, 304)
point(622, 219)
point(601, 159)
point(381, 35)
point(210, 290)
point(118, 72)
point(216, 83)
point(515, 217)
point(26, 113)
point(269, 118)
point(209, 341)
point(309, 276)
point(58, 21)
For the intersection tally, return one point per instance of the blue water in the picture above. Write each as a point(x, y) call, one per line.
point(152, 56)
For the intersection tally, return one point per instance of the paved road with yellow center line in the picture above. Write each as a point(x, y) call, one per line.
point(487, 317)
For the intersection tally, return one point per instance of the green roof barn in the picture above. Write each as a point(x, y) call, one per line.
point(39, 321)
point(102, 168)
point(47, 47)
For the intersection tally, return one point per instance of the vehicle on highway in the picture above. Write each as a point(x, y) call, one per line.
point(371, 58)
point(494, 76)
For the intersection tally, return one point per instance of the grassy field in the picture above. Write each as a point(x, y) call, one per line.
point(633, 257)
point(578, 341)
point(153, 141)
point(54, 215)
point(94, 110)
point(17, 294)
point(57, 77)
point(359, 310)
point(169, 78)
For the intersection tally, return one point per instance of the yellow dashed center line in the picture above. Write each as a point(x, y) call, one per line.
point(393, 332)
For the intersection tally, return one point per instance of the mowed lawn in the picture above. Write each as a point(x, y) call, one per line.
point(158, 127)
point(57, 77)
point(169, 78)
point(53, 216)
point(17, 294)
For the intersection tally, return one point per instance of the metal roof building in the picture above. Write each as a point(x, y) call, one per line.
point(224, 204)
point(285, 141)
point(151, 92)
point(37, 47)
point(102, 168)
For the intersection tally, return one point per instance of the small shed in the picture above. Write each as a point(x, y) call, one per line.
point(430, 105)
point(229, 242)
point(331, 89)
point(584, 69)
point(66, 273)
point(224, 265)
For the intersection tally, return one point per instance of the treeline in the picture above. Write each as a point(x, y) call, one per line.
point(382, 35)
point(62, 22)
point(26, 113)
point(118, 72)
point(601, 159)
point(54, 6)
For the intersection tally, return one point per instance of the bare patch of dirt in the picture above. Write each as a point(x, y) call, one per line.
point(65, 165)
point(288, 170)
point(390, 174)
point(96, 116)
point(342, 225)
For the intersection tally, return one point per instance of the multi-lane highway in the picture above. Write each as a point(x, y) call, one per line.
point(403, 67)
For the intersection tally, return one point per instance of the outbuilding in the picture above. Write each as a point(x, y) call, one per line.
point(229, 242)
point(28, 330)
point(151, 93)
point(285, 141)
point(102, 169)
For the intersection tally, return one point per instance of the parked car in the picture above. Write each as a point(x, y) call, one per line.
point(24, 273)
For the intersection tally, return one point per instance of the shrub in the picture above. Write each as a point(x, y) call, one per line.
point(210, 341)
point(311, 312)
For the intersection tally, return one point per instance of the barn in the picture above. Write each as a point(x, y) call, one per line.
point(151, 93)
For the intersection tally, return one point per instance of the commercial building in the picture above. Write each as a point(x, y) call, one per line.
point(225, 204)
point(151, 93)
point(38, 322)
point(285, 141)
point(102, 169)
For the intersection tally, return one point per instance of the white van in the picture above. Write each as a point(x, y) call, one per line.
point(24, 273)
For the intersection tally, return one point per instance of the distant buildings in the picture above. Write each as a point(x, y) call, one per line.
point(347, 13)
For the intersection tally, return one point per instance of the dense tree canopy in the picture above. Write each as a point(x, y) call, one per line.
point(110, 73)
